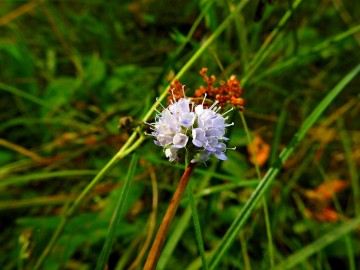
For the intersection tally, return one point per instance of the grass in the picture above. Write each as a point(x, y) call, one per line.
point(70, 71)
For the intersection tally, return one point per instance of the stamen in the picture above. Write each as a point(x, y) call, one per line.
point(157, 99)
point(228, 111)
point(172, 91)
point(231, 148)
point(218, 109)
point(183, 89)
point(204, 99)
point(214, 104)
point(150, 124)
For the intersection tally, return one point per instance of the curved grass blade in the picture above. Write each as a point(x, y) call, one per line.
point(24, 95)
point(118, 212)
point(197, 227)
point(267, 180)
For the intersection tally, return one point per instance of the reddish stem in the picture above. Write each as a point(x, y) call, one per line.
point(158, 243)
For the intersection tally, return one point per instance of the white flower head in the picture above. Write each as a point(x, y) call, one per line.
point(184, 126)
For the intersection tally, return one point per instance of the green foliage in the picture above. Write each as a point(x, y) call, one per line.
point(77, 80)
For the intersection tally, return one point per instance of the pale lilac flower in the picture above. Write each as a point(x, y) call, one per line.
point(182, 126)
point(171, 153)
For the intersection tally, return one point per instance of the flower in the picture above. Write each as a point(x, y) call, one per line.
point(184, 126)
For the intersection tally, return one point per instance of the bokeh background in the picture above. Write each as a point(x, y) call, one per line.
point(76, 79)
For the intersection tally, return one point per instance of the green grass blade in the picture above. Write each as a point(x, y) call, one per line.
point(23, 179)
point(354, 176)
point(267, 180)
point(265, 206)
point(24, 95)
point(319, 244)
point(118, 212)
point(197, 227)
point(291, 62)
point(265, 49)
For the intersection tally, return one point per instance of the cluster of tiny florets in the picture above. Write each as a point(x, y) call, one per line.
point(185, 126)
point(228, 92)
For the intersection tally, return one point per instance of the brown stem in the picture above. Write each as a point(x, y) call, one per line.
point(158, 243)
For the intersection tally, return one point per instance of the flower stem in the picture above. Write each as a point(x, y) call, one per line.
point(158, 243)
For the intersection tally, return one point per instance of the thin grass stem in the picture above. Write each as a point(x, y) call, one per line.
point(265, 49)
point(265, 206)
point(197, 226)
point(117, 215)
point(353, 173)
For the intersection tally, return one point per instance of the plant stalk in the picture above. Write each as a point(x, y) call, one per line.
point(159, 241)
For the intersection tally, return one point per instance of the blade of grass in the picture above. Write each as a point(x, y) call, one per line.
point(197, 227)
point(151, 220)
point(302, 58)
point(354, 176)
point(27, 121)
point(258, 173)
point(24, 95)
point(23, 179)
point(117, 215)
point(34, 202)
point(244, 44)
point(267, 180)
point(265, 49)
point(318, 245)
point(219, 188)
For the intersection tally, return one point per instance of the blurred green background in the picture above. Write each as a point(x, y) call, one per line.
point(76, 78)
